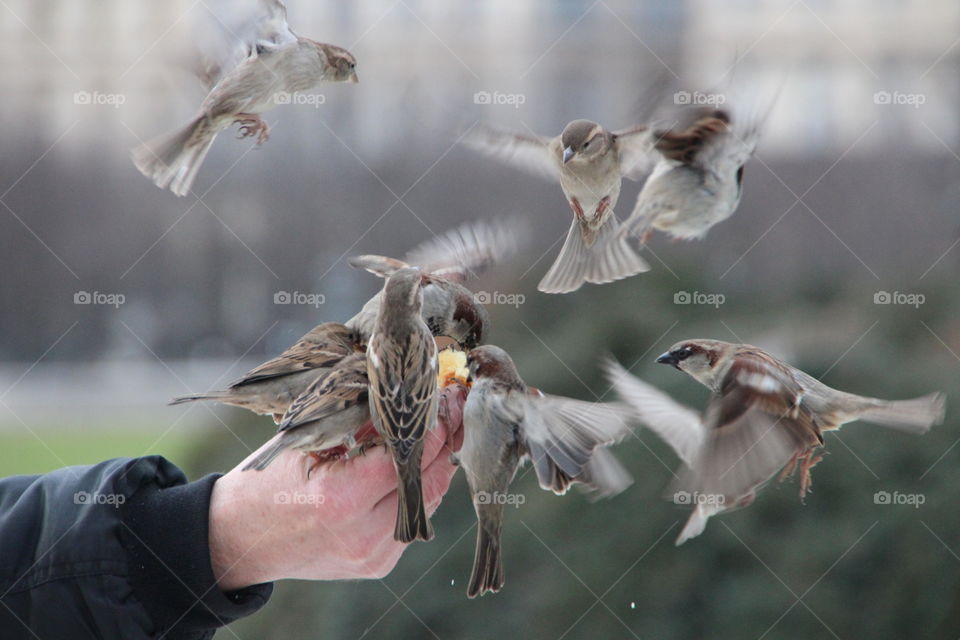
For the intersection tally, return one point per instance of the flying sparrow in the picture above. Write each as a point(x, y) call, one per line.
point(402, 369)
point(326, 416)
point(697, 180)
point(278, 66)
point(589, 162)
point(449, 308)
point(506, 422)
point(271, 387)
point(764, 416)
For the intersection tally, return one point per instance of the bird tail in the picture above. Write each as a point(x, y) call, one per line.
point(915, 416)
point(173, 160)
point(265, 457)
point(696, 523)
point(487, 573)
point(604, 260)
point(212, 395)
point(412, 521)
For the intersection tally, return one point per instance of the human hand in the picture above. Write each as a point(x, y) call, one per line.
point(338, 524)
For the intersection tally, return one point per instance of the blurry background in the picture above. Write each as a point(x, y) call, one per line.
point(854, 193)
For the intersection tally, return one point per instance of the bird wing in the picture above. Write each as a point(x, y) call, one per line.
point(528, 152)
point(307, 353)
point(754, 425)
point(470, 249)
point(561, 436)
point(343, 387)
point(676, 424)
point(635, 147)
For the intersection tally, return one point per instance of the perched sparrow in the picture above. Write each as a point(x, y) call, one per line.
point(506, 422)
point(327, 415)
point(765, 415)
point(284, 64)
point(697, 181)
point(271, 387)
point(449, 308)
point(402, 368)
point(589, 161)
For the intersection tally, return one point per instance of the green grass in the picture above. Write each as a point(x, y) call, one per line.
point(24, 453)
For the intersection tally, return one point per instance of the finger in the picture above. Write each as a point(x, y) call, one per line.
point(436, 482)
point(448, 435)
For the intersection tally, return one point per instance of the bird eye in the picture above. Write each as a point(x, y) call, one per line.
point(683, 354)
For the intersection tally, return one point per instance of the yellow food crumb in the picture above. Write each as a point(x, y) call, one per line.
point(452, 367)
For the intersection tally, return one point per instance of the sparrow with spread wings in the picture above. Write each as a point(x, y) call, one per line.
point(277, 63)
point(506, 422)
point(764, 416)
point(589, 162)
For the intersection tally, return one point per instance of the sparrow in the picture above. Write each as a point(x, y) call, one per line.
point(590, 162)
point(447, 260)
point(764, 416)
point(279, 65)
point(697, 181)
point(505, 422)
point(402, 369)
point(271, 387)
point(327, 415)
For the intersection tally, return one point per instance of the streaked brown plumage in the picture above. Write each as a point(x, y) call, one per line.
point(402, 369)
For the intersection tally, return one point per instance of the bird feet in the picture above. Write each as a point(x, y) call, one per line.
point(602, 208)
point(577, 209)
point(804, 460)
point(252, 125)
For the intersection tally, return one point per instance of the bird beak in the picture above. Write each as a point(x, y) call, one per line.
point(567, 154)
point(668, 358)
point(353, 79)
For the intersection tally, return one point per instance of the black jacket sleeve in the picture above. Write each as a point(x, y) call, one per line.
point(115, 550)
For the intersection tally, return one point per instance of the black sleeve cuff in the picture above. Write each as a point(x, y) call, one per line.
point(166, 526)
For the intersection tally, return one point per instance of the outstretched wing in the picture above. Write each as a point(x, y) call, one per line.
point(527, 152)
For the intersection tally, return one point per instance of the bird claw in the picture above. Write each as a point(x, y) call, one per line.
point(253, 126)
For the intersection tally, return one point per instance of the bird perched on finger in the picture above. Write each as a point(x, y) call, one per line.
point(589, 162)
point(506, 422)
point(279, 63)
point(447, 260)
point(326, 416)
point(697, 181)
point(402, 369)
point(765, 416)
point(271, 387)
